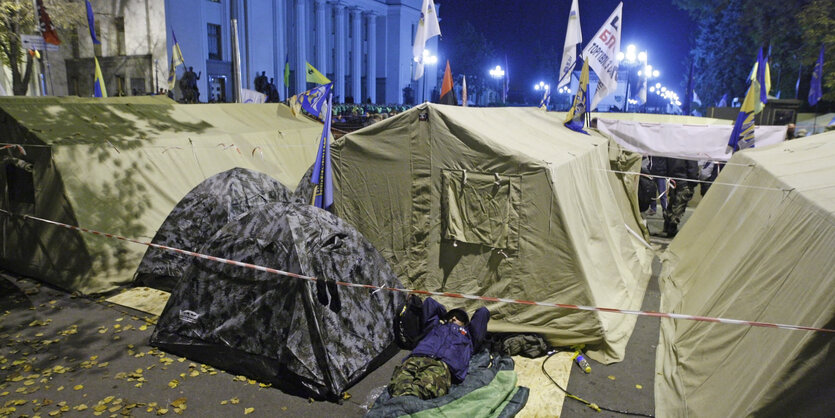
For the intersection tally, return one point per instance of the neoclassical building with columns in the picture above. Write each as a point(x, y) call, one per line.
point(363, 46)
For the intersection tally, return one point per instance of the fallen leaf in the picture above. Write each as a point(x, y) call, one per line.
point(235, 401)
point(80, 407)
point(224, 402)
point(194, 373)
point(78, 387)
point(179, 402)
point(173, 383)
point(611, 377)
point(248, 411)
point(639, 386)
point(162, 411)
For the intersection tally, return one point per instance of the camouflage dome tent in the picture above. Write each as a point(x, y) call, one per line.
point(119, 165)
point(209, 206)
point(307, 338)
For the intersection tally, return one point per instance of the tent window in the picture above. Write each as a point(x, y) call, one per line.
point(20, 189)
point(479, 208)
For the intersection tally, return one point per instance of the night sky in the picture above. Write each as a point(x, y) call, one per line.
point(656, 26)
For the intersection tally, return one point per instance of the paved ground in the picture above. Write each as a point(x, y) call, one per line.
point(62, 355)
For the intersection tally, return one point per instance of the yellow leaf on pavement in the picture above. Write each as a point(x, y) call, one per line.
point(248, 411)
point(78, 387)
point(173, 383)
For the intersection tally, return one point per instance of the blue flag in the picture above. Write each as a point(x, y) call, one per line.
point(816, 91)
point(322, 176)
point(576, 118)
point(315, 99)
point(91, 23)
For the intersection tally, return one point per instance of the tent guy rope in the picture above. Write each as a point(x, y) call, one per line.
point(431, 293)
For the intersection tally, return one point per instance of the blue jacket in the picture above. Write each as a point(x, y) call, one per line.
point(448, 342)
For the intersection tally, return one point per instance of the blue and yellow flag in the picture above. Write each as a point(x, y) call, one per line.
point(742, 135)
point(99, 90)
point(313, 75)
point(816, 90)
point(314, 100)
point(176, 59)
point(176, 52)
point(322, 175)
point(287, 70)
point(576, 118)
point(546, 99)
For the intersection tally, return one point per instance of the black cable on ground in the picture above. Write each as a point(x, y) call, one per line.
point(589, 404)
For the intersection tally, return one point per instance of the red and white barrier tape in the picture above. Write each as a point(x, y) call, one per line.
point(445, 294)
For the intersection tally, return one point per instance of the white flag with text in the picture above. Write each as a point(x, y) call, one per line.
point(573, 37)
point(427, 28)
point(602, 54)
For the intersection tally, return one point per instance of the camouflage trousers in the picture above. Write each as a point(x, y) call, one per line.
point(423, 377)
point(679, 197)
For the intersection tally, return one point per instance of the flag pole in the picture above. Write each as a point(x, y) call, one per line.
point(236, 61)
point(44, 64)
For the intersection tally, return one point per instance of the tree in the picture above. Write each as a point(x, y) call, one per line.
point(730, 32)
point(817, 23)
point(18, 17)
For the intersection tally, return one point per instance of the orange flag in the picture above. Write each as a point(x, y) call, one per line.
point(47, 28)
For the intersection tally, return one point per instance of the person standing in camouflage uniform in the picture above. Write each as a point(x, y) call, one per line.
point(443, 355)
point(681, 171)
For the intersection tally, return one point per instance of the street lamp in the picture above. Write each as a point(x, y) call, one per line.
point(648, 74)
point(544, 87)
point(631, 59)
point(498, 73)
point(428, 59)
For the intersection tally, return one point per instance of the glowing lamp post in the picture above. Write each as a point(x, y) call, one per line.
point(498, 73)
point(428, 59)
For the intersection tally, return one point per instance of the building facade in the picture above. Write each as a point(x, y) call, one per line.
point(363, 46)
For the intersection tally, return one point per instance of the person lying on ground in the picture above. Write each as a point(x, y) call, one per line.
point(443, 355)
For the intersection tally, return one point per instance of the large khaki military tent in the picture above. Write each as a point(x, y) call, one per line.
point(501, 202)
point(760, 249)
point(120, 166)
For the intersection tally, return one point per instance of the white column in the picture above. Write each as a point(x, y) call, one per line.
point(321, 37)
point(301, 46)
point(372, 56)
point(356, 55)
point(280, 38)
point(341, 50)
